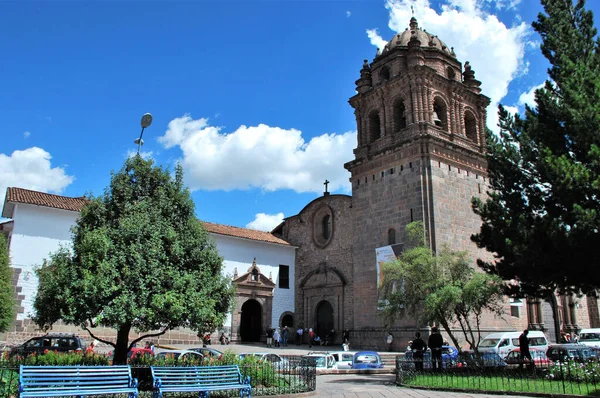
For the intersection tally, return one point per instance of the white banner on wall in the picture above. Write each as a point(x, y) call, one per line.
point(385, 254)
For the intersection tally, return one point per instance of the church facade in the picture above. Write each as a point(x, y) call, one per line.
point(420, 156)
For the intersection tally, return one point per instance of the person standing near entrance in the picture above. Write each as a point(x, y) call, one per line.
point(269, 336)
point(284, 335)
point(299, 334)
point(436, 341)
point(311, 337)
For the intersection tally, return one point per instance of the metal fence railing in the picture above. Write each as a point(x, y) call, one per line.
point(289, 377)
point(565, 378)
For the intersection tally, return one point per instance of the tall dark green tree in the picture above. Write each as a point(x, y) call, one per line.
point(542, 216)
point(7, 292)
point(140, 261)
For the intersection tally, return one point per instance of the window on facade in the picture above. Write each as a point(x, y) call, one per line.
point(470, 126)
point(514, 311)
point(326, 226)
point(391, 236)
point(284, 276)
point(385, 73)
point(374, 126)
point(254, 275)
point(399, 115)
point(450, 73)
point(440, 113)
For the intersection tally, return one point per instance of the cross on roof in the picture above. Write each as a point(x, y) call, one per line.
point(326, 183)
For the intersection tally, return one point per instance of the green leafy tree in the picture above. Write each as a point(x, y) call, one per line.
point(439, 287)
point(542, 217)
point(140, 261)
point(7, 298)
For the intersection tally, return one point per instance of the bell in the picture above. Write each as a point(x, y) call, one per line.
point(436, 119)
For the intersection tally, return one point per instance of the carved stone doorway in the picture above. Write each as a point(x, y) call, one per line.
point(324, 322)
point(251, 323)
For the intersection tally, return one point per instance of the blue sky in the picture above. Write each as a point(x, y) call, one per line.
point(250, 96)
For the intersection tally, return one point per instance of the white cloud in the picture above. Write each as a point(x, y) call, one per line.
point(31, 169)
point(376, 40)
point(528, 97)
point(26, 134)
point(270, 158)
point(348, 14)
point(496, 52)
point(132, 152)
point(265, 222)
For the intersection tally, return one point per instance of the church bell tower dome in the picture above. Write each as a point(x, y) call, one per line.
point(426, 39)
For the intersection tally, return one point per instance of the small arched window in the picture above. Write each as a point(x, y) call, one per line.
point(440, 113)
point(391, 236)
point(399, 115)
point(470, 126)
point(385, 73)
point(374, 126)
point(254, 275)
point(450, 73)
point(326, 227)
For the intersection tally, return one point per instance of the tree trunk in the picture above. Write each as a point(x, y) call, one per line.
point(122, 346)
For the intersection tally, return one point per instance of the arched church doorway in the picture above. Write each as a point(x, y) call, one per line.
point(324, 322)
point(251, 321)
point(287, 320)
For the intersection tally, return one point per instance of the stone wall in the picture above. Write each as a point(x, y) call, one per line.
point(323, 266)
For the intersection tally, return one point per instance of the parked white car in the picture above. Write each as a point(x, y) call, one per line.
point(343, 359)
point(590, 337)
point(323, 360)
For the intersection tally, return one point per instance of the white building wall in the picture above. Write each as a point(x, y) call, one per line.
point(38, 231)
point(239, 253)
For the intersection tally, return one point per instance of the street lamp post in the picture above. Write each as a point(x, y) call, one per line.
point(146, 122)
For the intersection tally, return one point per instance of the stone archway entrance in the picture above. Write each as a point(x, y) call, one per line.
point(324, 322)
point(251, 321)
point(287, 320)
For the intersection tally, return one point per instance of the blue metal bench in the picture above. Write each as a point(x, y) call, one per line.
point(60, 381)
point(202, 379)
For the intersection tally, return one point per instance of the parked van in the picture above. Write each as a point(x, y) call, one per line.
point(505, 342)
point(590, 337)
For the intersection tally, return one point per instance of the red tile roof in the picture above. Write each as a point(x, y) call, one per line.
point(20, 195)
point(244, 233)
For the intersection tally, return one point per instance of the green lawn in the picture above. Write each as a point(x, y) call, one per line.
point(504, 383)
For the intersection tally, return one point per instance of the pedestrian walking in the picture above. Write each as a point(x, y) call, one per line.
point(524, 349)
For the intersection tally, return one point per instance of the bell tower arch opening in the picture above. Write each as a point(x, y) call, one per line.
point(324, 322)
point(440, 113)
point(471, 126)
point(399, 114)
point(251, 323)
point(374, 126)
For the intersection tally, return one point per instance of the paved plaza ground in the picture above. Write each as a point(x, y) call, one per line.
point(352, 385)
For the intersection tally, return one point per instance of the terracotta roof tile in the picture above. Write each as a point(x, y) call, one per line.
point(20, 195)
point(243, 233)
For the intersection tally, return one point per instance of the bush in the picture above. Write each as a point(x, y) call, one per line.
point(575, 371)
point(54, 358)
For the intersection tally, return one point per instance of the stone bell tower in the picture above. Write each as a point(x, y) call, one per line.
point(421, 121)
